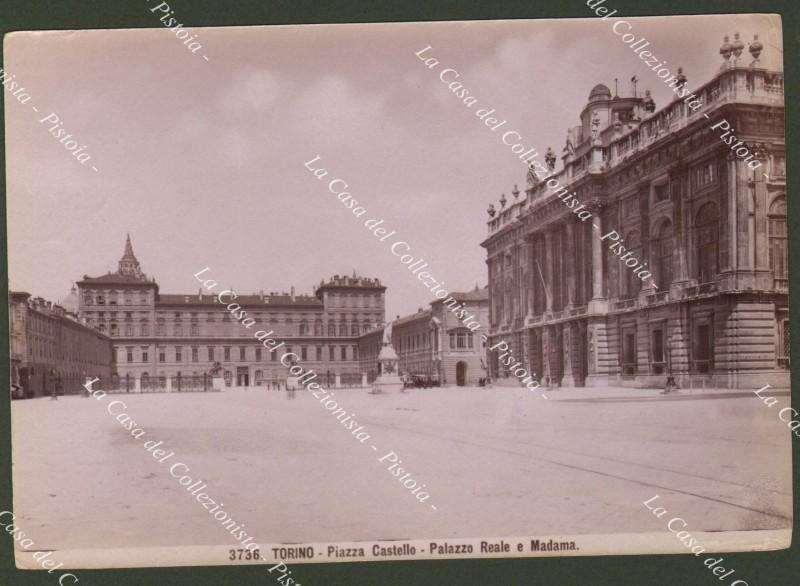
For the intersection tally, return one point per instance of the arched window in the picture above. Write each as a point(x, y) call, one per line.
point(706, 240)
point(633, 284)
point(354, 328)
point(778, 258)
point(289, 326)
point(318, 327)
point(343, 328)
point(331, 328)
point(303, 328)
point(663, 248)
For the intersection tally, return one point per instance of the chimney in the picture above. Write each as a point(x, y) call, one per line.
point(200, 294)
point(292, 294)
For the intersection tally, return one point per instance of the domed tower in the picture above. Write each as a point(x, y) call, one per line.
point(596, 115)
point(603, 110)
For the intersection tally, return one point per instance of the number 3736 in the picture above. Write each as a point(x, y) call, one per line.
point(244, 554)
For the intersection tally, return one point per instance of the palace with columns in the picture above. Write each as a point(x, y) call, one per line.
point(712, 230)
point(168, 341)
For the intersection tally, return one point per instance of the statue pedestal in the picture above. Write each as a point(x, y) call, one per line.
point(388, 383)
point(217, 383)
point(388, 366)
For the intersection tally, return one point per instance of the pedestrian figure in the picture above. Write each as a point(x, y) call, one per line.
point(670, 386)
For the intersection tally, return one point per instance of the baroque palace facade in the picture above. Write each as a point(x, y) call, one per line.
point(712, 230)
point(167, 341)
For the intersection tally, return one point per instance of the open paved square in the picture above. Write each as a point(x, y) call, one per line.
point(496, 462)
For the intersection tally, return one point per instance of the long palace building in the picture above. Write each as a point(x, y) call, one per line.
point(712, 230)
point(168, 341)
point(52, 351)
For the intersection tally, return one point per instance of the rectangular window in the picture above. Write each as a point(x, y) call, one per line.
point(355, 352)
point(331, 353)
point(162, 355)
point(783, 344)
point(130, 354)
point(319, 353)
point(242, 354)
point(303, 353)
point(195, 355)
point(211, 353)
point(227, 353)
point(258, 354)
point(145, 330)
point(702, 349)
point(661, 192)
point(344, 353)
point(629, 354)
point(630, 206)
point(778, 166)
point(178, 354)
point(274, 356)
point(145, 355)
point(658, 360)
point(705, 175)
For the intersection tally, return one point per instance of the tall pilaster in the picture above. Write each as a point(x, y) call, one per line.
point(598, 303)
point(570, 262)
point(548, 273)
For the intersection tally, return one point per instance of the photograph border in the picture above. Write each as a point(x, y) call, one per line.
point(773, 567)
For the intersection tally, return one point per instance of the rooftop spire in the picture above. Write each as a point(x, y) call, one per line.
point(129, 264)
point(128, 247)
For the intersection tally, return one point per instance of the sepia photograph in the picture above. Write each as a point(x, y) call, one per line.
point(282, 295)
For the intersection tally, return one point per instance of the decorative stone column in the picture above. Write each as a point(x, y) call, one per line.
point(598, 303)
point(137, 384)
point(571, 262)
point(568, 378)
point(337, 381)
point(548, 271)
point(364, 380)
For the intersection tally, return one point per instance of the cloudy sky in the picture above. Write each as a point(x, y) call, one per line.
point(203, 161)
